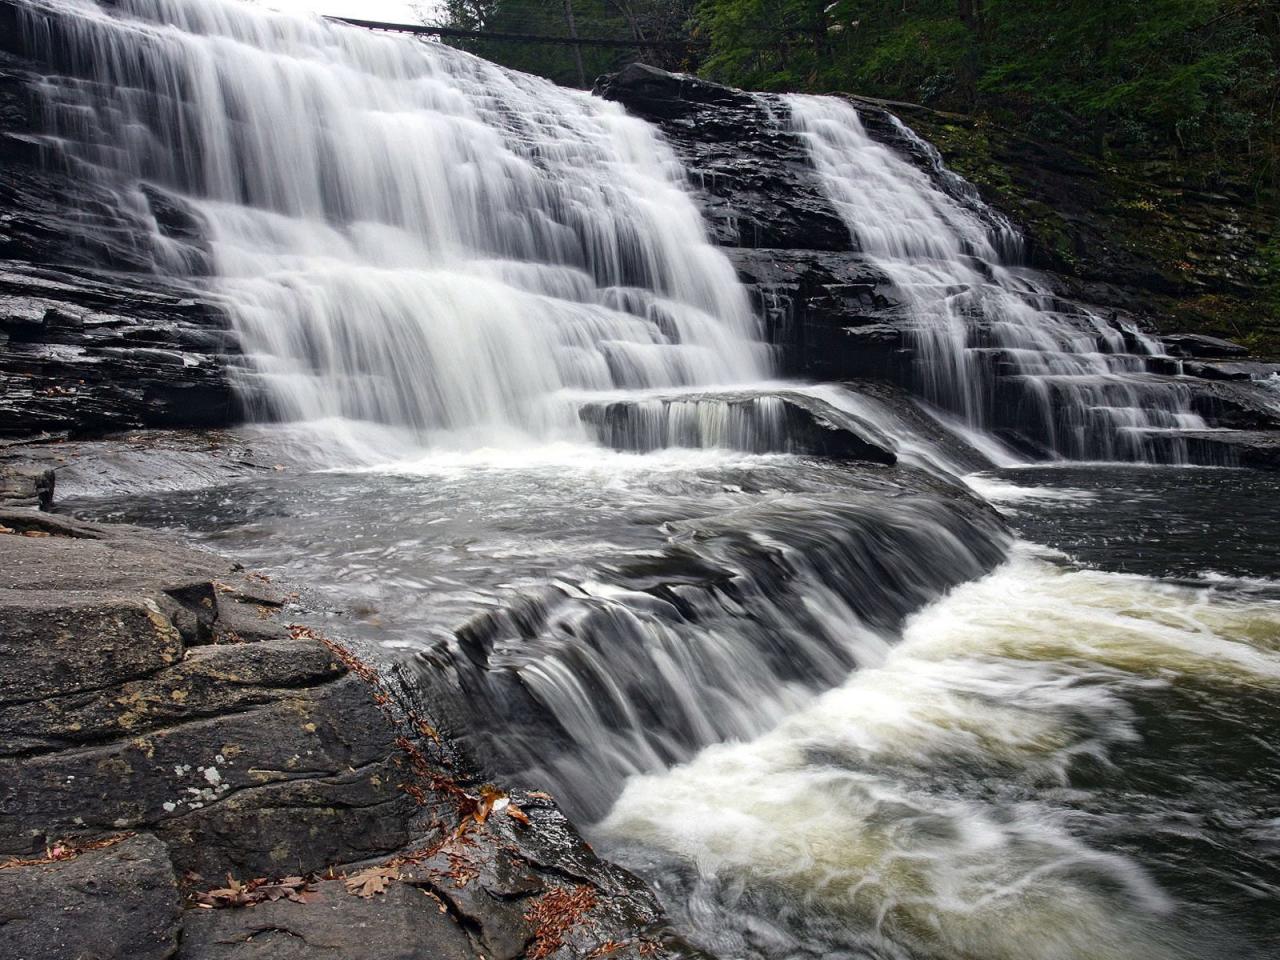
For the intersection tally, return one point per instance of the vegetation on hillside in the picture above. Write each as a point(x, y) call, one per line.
point(1174, 78)
point(1168, 77)
point(657, 28)
point(1171, 103)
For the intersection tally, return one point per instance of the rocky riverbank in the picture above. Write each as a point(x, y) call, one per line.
point(189, 774)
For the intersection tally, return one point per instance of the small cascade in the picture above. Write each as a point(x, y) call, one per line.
point(992, 343)
point(404, 235)
point(738, 620)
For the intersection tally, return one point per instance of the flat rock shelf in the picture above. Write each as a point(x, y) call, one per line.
point(165, 734)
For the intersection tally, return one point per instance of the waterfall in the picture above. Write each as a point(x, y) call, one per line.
point(404, 235)
point(992, 342)
point(758, 639)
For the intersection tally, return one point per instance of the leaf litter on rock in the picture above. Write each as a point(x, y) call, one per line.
point(66, 850)
point(253, 892)
point(368, 883)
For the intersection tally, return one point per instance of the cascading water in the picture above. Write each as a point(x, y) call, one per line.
point(404, 235)
point(423, 252)
point(758, 676)
point(980, 323)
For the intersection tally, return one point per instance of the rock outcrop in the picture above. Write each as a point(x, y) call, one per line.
point(163, 730)
point(92, 337)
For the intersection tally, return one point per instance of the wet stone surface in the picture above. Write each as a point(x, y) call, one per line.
point(164, 731)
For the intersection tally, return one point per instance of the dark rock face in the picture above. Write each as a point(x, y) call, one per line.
point(118, 901)
point(92, 338)
point(822, 302)
point(84, 353)
point(149, 691)
point(1200, 345)
point(755, 182)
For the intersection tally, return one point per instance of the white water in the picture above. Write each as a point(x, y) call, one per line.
point(405, 235)
point(926, 804)
point(972, 311)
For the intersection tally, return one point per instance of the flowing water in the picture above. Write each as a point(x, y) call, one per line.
point(981, 321)
point(402, 234)
point(770, 644)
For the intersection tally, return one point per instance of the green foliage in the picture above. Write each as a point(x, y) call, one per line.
point(1180, 77)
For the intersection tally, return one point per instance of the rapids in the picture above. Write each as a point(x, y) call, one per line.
point(838, 672)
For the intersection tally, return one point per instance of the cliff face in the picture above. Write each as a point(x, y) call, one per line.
point(92, 339)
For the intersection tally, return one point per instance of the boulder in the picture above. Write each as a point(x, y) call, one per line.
point(117, 901)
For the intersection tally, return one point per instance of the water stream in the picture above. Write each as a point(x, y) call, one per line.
point(802, 656)
point(994, 344)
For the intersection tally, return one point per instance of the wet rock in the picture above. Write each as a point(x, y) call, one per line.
point(1231, 370)
point(118, 902)
point(91, 355)
point(129, 701)
point(751, 176)
point(1200, 345)
point(773, 424)
point(1242, 448)
point(401, 924)
point(26, 486)
point(91, 338)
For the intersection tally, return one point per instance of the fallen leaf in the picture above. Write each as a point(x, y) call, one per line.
point(36, 533)
point(262, 890)
point(491, 798)
point(518, 815)
point(372, 881)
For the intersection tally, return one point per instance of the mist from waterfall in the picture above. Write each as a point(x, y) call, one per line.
point(994, 345)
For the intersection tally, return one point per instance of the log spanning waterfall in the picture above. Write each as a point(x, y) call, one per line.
point(978, 319)
point(775, 646)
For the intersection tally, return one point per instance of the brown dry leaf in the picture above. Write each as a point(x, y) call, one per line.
point(4, 529)
point(36, 533)
point(518, 815)
point(237, 894)
point(66, 850)
point(540, 795)
point(489, 796)
point(372, 881)
point(554, 915)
